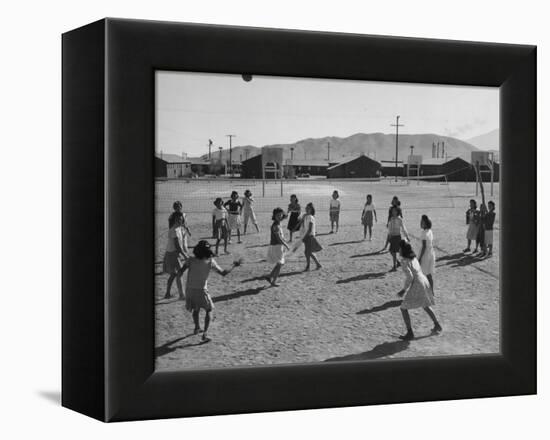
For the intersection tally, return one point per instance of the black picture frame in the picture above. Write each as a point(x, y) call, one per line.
point(108, 228)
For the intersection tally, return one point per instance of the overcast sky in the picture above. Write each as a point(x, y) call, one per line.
point(194, 107)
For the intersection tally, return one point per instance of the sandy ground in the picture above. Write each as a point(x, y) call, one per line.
point(346, 311)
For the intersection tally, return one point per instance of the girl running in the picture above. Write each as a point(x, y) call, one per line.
point(277, 246)
point(248, 211)
point(397, 204)
point(294, 211)
point(427, 253)
point(197, 296)
point(308, 237)
point(395, 226)
point(367, 216)
point(234, 206)
point(417, 292)
point(334, 211)
point(178, 207)
point(219, 224)
point(176, 253)
point(472, 220)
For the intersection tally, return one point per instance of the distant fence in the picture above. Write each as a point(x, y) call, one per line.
point(197, 195)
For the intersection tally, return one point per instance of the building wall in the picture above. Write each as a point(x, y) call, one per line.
point(177, 170)
point(160, 167)
point(252, 168)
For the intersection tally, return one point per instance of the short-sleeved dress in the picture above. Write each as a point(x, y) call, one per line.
point(418, 292)
point(428, 259)
point(472, 220)
point(220, 223)
point(248, 210)
point(394, 232)
point(489, 222)
point(294, 219)
point(275, 252)
point(173, 261)
point(367, 218)
point(234, 217)
point(196, 290)
point(310, 242)
point(334, 211)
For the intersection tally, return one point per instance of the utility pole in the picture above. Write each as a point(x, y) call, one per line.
point(291, 153)
point(396, 125)
point(231, 136)
point(328, 150)
point(210, 149)
point(442, 149)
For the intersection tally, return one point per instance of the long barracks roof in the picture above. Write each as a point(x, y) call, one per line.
point(172, 158)
point(350, 159)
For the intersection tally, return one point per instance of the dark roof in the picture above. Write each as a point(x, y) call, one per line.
point(172, 158)
point(351, 159)
point(307, 163)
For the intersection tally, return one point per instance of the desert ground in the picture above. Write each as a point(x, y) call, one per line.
point(349, 309)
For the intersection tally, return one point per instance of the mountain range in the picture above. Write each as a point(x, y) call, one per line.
point(379, 146)
point(487, 141)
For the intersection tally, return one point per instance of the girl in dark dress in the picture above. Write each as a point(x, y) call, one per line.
point(294, 211)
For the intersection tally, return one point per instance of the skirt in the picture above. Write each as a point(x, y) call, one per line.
point(249, 215)
point(334, 216)
point(419, 294)
point(197, 298)
point(395, 241)
point(312, 245)
point(428, 262)
point(367, 219)
point(488, 237)
point(234, 221)
point(220, 230)
point(173, 262)
point(472, 231)
point(276, 254)
point(293, 221)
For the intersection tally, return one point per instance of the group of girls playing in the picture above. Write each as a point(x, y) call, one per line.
point(306, 224)
point(230, 216)
point(418, 291)
point(177, 260)
point(480, 224)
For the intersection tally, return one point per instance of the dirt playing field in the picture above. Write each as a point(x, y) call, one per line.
point(348, 310)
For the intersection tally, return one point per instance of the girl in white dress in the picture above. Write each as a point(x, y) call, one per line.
point(427, 253)
point(367, 216)
point(416, 292)
point(311, 244)
point(277, 246)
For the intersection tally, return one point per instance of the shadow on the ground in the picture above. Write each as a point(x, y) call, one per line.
point(370, 254)
point(169, 347)
point(257, 246)
point(387, 305)
point(52, 396)
point(168, 301)
point(239, 294)
point(380, 351)
point(263, 277)
point(365, 276)
point(340, 243)
point(460, 259)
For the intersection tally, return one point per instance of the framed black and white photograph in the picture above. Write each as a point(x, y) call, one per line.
point(254, 171)
point(288, 220)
